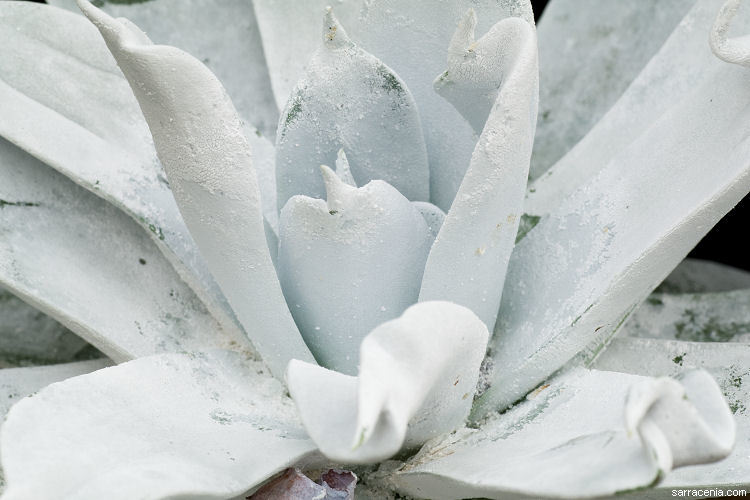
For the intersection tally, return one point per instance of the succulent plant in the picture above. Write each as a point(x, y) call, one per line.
point(381, 291)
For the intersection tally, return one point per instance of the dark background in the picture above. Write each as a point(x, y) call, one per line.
point(725, 243)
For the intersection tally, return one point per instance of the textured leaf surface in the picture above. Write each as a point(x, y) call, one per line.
point(699, 276)
point(566, 439)
point(700, 317)
point(201, 142)
point(82, 261)
point(468, 261)
point(417, 375)
point(200, 426)
point(683, 64)
point(57, 62)
point(349, 99)
point(729, 364)
point(350, 263)
point(29, 336)
point(290, 30)
point(414, 42)
point(589, 52)
point(17, 383)
point(223, 35)
point(582, 268)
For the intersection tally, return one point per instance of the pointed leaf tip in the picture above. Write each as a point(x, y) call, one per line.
point(462, 38)
point(334, 35)
point(336, 188)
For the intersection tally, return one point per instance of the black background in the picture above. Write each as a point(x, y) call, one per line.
point(725, 243)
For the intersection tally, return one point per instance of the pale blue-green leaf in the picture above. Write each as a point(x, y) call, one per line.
point(732, 49)
point(17, 383)
point(581, 269)
point(209, 425)
point(699, 317)
point(729, 364)
point(683, 63)
point(77, 258)
point(349, 99)
point(699, 276)
point(348, 264)
point(569, 439)
point(200, 140)
point(416, 379)
point(414, 42)
point(290, 30)
point(27, 335)
point(433, 216)
point(66, 103)
point(589, 52)
point(468, 261)
point(224, 35)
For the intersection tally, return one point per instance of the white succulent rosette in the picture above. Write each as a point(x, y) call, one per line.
point(380, 288)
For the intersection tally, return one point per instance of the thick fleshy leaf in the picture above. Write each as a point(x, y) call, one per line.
point(569, 439)
point(82, 261)
point(201, 143)
point(56, 62)
point(17, 383)
point(417, 375)
point(413, 41)
point(729, 364)
point(27, 335)
point(223, 35)
point(700, 317)
point(498, 74)
point(349, 99)
point(735, 50)
point(201, 426)
point(589, 52)
point(348, 264)
point(683, 64)
point(575, 275)
point(290, 30)
point(699, 276)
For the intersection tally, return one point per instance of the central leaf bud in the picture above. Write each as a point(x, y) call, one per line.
point(350, 263)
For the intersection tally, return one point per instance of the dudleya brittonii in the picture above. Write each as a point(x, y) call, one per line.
point(393, 297)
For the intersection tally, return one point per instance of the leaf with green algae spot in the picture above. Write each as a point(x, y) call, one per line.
point(6, 203)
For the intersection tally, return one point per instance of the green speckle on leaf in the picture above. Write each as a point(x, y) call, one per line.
point(678, 359)
point(295, 108)
point(737, 406)
point(526, 224)
point(390, 82)
point(6, 203)
point(693, 328)
point(361, 439)
point(333, 212)
point(156, 230)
